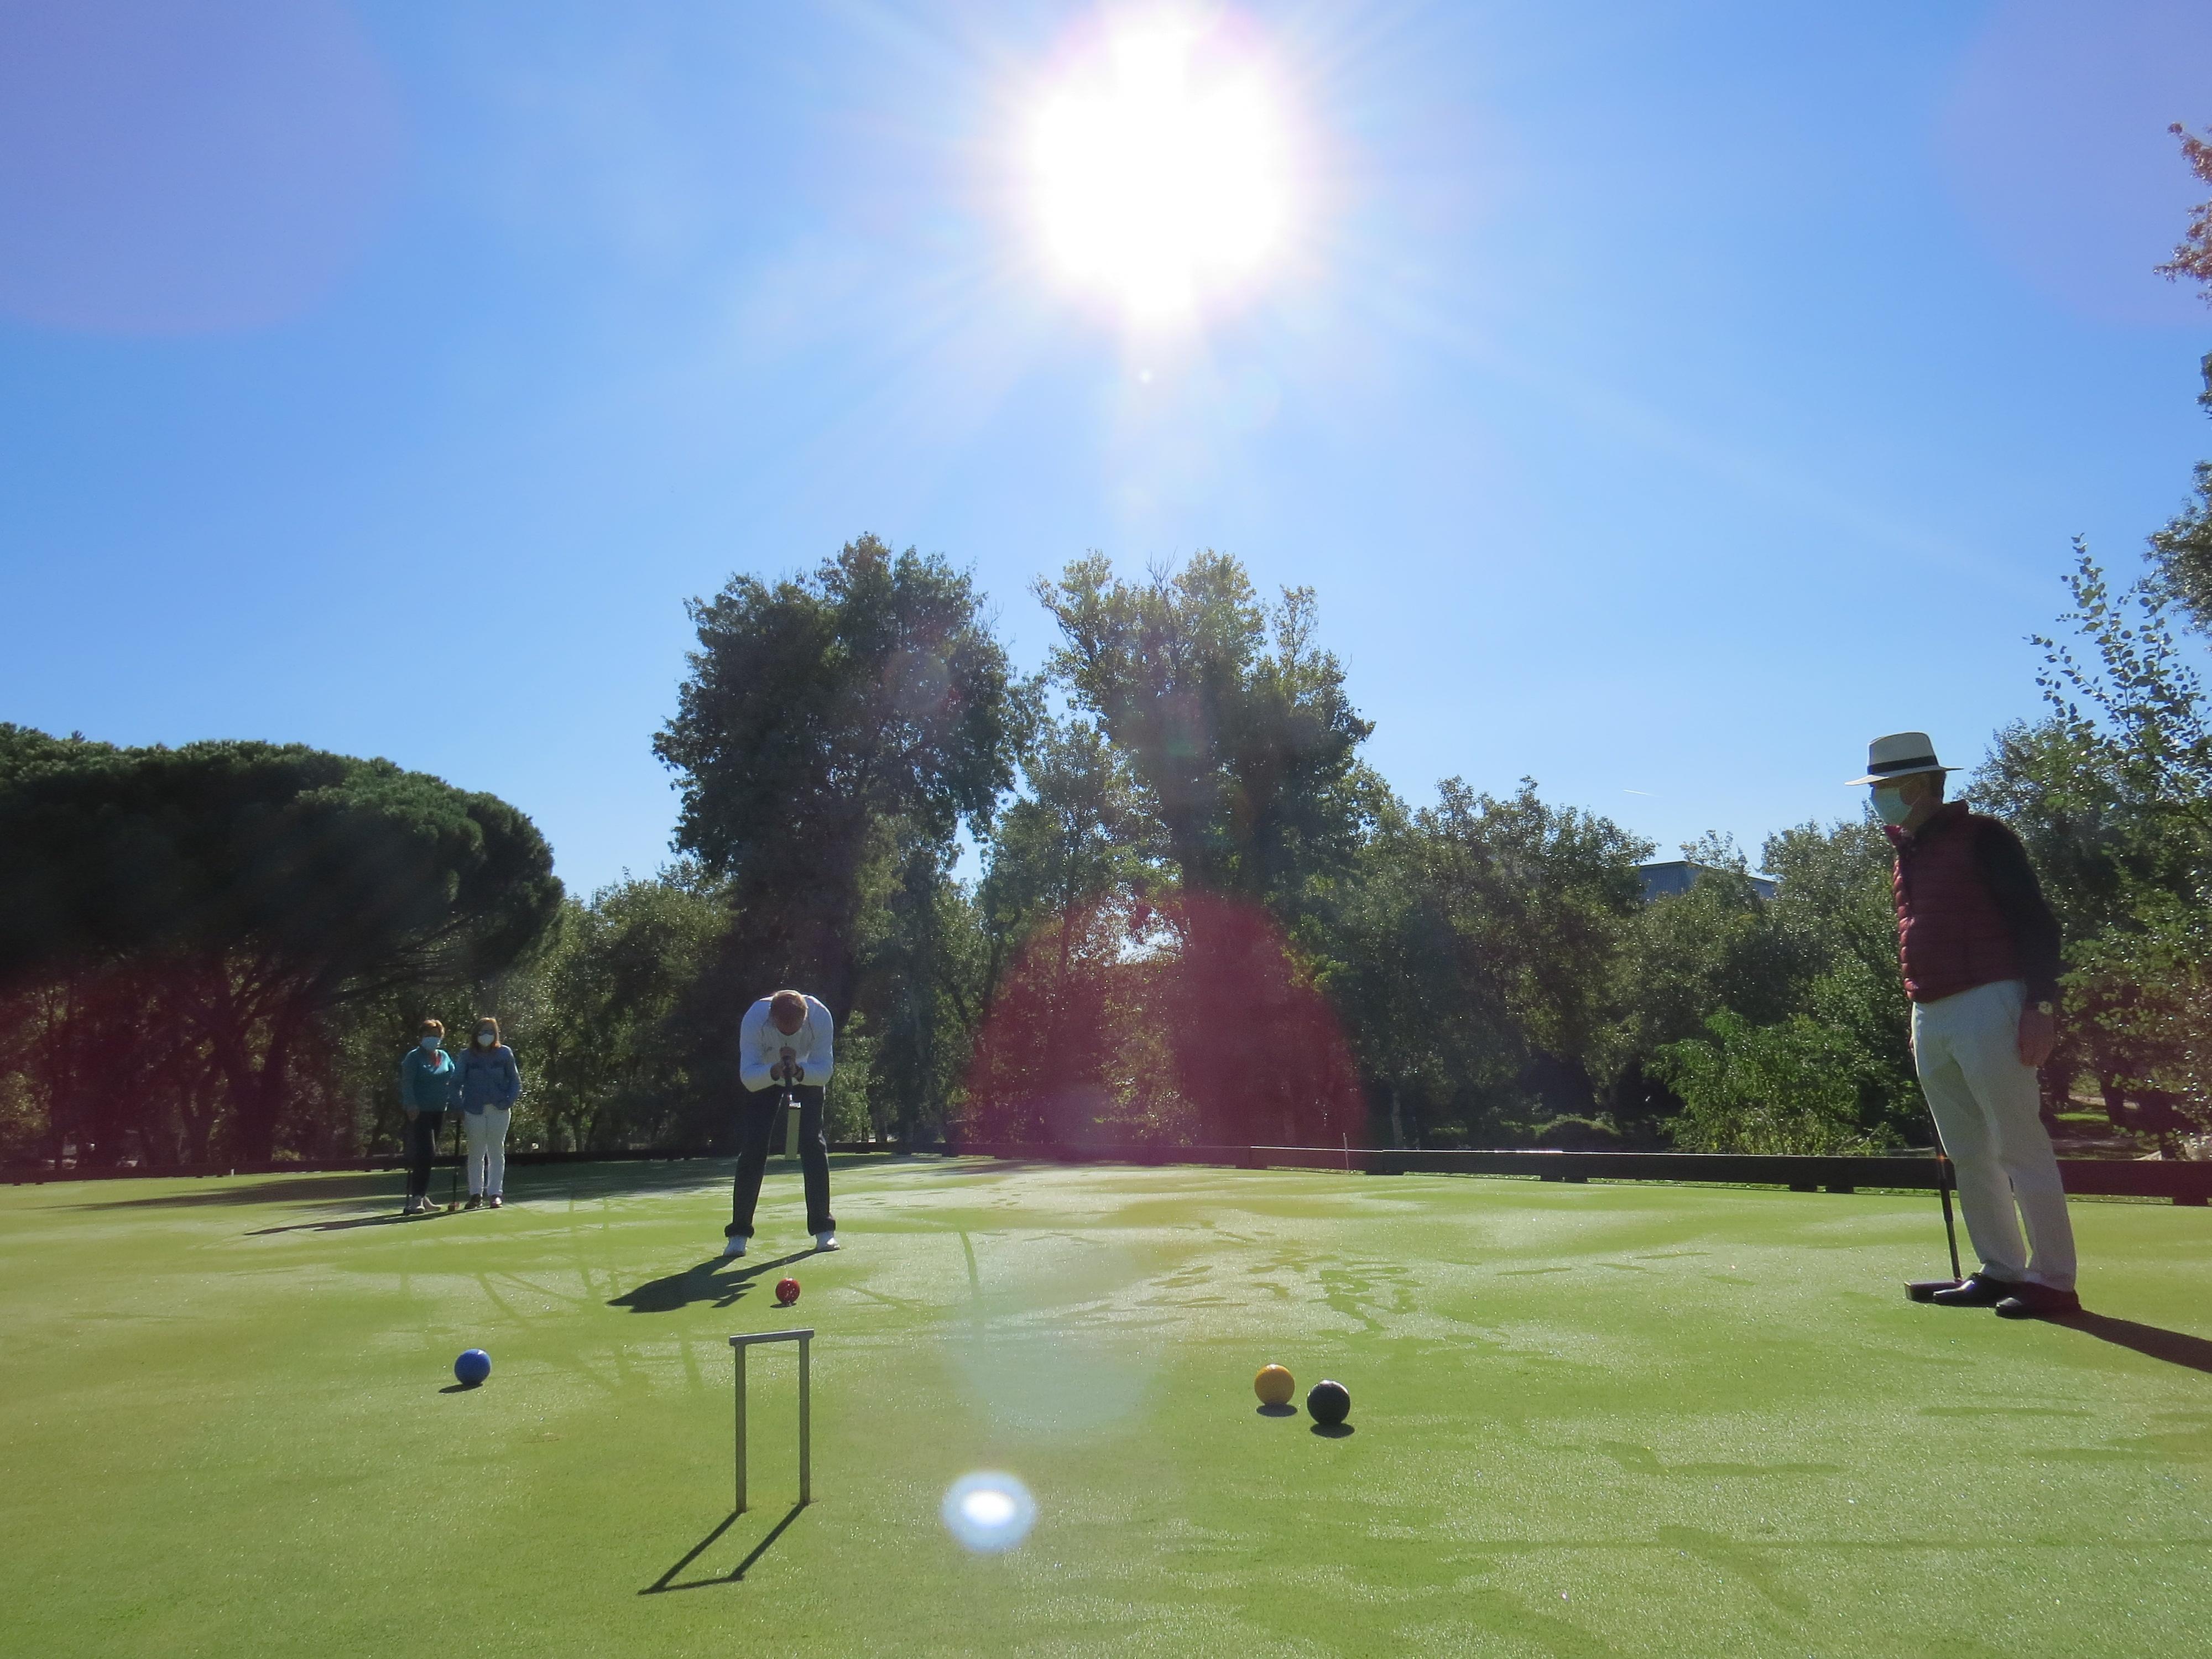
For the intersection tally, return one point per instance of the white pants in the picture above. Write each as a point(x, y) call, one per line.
point(1984, 1100)
point(487, 1150)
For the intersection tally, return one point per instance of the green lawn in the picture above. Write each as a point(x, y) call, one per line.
point(1602, 1420)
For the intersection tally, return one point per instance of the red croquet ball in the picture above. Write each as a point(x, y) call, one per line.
point(786, 1291)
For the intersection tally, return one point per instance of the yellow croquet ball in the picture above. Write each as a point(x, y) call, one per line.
point(1274, 1386)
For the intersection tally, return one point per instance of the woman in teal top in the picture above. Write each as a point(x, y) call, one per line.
point(427, 1076)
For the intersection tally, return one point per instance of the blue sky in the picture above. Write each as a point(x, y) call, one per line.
point(1664, 400)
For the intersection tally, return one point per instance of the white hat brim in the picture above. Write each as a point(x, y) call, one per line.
point(1901, 772)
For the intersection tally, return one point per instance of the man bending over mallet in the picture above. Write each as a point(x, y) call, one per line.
point(1980, 952)
point(783, 1045)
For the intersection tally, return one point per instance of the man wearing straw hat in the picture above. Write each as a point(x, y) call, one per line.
point(1979, 948)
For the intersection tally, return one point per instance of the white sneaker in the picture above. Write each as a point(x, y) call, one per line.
point(825, 1241)
point(413, 1206)
point(735, 1247)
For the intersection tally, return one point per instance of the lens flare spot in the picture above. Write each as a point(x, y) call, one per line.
point(987, 1508)
point(988, 1512)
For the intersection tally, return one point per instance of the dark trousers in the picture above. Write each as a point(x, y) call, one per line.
point(760, 1120)
point(422, 1146)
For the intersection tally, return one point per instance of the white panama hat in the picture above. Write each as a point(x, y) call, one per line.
point(1899, 754)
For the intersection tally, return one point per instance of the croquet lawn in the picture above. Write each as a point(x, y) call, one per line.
point(1586, 1419)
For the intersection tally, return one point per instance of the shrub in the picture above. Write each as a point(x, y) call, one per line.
point(1792, 1087)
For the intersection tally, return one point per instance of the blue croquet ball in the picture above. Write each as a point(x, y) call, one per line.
point(472, 1367)
point(1329, 1402)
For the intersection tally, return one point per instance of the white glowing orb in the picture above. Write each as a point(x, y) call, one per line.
point(988, 1512)
point(1162, 175)
point(987, 1508)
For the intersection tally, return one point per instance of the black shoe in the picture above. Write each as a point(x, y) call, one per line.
point(2039, 1302)
point(1980, 1290)
point(1923, 1290)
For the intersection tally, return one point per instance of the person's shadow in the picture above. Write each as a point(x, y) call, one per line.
point(393, 1218)
point(700, 1283)
point(2174, 1347)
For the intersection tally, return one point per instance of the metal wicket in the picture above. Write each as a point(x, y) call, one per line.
point(804, 1339)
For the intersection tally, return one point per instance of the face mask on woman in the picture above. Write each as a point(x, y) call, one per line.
point(485, 1039)
point(430, 1044)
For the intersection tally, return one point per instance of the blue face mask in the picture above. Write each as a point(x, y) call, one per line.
point(1890, 805)
point(430, 1044)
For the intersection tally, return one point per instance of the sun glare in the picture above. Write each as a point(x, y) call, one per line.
point(1161, 174)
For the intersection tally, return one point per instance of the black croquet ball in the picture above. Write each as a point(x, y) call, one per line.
point(1328, 1402)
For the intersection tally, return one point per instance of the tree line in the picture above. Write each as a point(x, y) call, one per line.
point(1191, 912)
point(1153, 892)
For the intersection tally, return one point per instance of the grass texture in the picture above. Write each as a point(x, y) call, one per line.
point(1586, 1420)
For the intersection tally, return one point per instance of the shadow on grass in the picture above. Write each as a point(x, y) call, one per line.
point(524, 1182)
point(325, 1190)
point(2155, 1342)
point(389, 1218)
point(1278, 1411)
point(461, 1388)
point(1334, 1431)
point(666, 1582)
point(700, 1283)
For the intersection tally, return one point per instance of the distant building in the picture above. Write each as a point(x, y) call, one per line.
point(1673, 876)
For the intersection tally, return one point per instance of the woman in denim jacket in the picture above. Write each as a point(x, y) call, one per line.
point(491, 1084)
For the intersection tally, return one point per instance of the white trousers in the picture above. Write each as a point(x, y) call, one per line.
point(487, 1132)
point(1967, 1050)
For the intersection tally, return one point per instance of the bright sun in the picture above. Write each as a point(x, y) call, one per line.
point(1162, 176)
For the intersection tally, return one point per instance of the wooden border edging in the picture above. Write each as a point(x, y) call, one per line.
point(2184, 1183)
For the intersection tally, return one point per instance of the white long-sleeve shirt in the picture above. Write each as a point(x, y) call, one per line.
point(760, 1046)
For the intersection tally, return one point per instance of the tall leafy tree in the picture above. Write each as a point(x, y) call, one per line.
point(1235, 724)
point(917, 973)
point(1542, 899)
point(598, 1013)
point(1078, 836)
point(2112, 792)
point(1476, 953)
point(1435, 1044)
point(2192, 257)
point(1779, 1024)
point(1070, 869)
point(826, 719)
point(2181, 555)
point(256, 888)
point(1236, 729)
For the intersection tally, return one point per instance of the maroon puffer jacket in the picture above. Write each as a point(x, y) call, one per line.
point(1951, 934)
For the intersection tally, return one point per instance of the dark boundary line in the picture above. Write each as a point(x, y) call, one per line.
point(2187, 1184)
point(2183, 1183)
